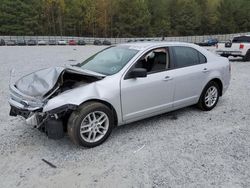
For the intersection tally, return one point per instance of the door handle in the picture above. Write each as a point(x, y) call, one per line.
point(205, 70)
point(167, 78)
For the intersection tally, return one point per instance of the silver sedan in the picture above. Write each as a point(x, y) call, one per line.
point(119, 85)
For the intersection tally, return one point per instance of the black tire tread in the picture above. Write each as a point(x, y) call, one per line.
point(72, 123)
point(247, 56)
point(200, 104)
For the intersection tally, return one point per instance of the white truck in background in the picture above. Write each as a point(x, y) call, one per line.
point(238, 47)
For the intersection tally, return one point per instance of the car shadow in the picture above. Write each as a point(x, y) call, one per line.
point(126, 129)
point(119, 134)
point(169, 116)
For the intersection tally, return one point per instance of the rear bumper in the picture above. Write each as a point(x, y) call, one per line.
point(228, 53)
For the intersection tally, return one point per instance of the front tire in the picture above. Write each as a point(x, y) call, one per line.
point(209, 97)
point(91, 124)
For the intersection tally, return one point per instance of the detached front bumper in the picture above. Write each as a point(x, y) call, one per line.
point(50, 122)
point(46, 122)
point(32, 116)
point(28, 107)
point(15, 111)
point(23, 105)
point(32, 110)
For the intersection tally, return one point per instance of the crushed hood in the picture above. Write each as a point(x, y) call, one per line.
point(39, 83)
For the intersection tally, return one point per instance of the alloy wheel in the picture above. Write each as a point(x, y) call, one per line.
point(94, 126)
point(211, 96)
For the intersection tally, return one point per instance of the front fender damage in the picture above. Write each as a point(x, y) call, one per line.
point(33, 97)
point(51, 122)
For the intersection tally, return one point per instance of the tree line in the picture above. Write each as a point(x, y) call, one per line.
point(123, 18)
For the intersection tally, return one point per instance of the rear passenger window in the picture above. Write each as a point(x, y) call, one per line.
point(202, 58)
point(186, 56)
point(245, 39)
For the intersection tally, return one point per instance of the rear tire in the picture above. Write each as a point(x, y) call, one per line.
point(247, 56)
point(91, 124)
point(209, 97)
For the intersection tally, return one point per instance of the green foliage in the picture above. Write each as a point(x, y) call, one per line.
point(132, 18)
point(18, 17)
point(226, 11)
point(123, 18)
point(209, 16)
point(160, 17)
point(187, 20)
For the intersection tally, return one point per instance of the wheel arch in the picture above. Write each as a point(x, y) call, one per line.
point(110, 106)
point(220, 84)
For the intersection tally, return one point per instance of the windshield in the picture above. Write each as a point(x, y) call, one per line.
point(109, 61)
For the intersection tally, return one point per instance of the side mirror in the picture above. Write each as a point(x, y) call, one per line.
point(138, 73)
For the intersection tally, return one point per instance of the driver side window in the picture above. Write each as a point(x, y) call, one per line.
point(154, 61)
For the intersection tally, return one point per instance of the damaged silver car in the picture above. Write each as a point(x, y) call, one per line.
point(119, 85)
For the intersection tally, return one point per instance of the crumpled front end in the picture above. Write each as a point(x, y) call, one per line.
point(21, 101)
point(30, 94)
point(25, 106)
point(31, 109)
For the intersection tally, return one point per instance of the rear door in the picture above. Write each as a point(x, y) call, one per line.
point(191, 72)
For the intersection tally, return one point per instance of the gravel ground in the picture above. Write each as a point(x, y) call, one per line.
point(185, 148)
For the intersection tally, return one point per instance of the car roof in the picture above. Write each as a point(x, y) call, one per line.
point(241, 36)
point(145, 45)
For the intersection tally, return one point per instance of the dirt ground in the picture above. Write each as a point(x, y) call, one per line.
point(185, 148)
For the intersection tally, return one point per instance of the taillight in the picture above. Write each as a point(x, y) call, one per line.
point(241, 46)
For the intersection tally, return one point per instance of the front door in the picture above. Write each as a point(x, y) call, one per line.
point(142, 97)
